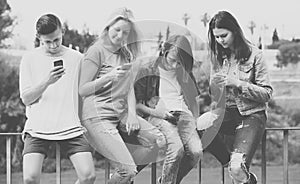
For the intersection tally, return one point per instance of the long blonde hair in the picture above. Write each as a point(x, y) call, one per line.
point(132, 47)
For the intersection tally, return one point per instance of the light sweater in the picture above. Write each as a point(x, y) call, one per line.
point(55, 115)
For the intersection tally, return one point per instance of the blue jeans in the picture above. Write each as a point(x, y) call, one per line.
point(184, 147)
point(145, 145)
point(245, 133)
point(104, 136)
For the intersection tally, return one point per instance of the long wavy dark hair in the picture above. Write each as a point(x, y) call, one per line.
point(242, 46)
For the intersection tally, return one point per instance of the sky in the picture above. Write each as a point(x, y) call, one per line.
point(282, 15)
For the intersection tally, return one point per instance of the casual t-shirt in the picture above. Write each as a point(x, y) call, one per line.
point(54, 116)
point(171, 96)
point(111, 99)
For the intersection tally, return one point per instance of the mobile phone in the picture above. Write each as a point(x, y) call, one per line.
point(175, 117)
point(175, 113)
point(58, 63)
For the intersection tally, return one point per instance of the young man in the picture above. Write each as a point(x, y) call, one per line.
point(48, 89)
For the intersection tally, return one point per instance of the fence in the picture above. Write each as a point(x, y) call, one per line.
point(285, 131)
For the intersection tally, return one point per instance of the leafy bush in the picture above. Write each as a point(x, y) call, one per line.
point(289, 53)
point(12, 111)
point(277, 44)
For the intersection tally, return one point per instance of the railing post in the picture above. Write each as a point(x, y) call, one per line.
point(263, 159)
point(107, 171)
point(58, 163)
point(223, 175)
point(153, 173)
point(8, 160)
point(285, 157)
point(199, 172)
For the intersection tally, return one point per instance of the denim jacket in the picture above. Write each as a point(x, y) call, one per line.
point(147, 84)
point(255, 90)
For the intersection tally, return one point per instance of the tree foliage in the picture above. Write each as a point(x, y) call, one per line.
point(277, 44)
point(6, 22)
point(288, 53)
point(10, 104)
point(12, 111)
point(76, 40)
point(275, 37)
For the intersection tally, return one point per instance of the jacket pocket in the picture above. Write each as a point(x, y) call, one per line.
point(246, 68)
point(246, 72)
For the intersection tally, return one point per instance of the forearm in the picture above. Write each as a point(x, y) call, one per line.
point(255, 92)
point(91, 87)
point(31, 95)
point(131, 101)
point(148, 110)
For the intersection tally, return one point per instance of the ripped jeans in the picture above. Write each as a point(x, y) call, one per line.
point(104, 136)
point(245, 131)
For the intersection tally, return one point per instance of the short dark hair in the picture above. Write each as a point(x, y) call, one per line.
point(47, 24)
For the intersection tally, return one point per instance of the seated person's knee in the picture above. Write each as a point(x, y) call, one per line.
point(237, 168)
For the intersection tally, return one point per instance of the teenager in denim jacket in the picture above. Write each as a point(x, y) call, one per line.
point(240, 73)
point(166, 93)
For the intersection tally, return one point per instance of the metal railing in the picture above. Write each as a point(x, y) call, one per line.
point(285, 131)
point(285, 153)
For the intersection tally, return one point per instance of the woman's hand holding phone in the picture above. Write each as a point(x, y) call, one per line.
point(118, 72)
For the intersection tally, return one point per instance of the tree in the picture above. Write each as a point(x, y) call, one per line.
point(159, 36)
point(205, 19)
point(259, 45)
point(252, 26)
point(275, 37)
point(12, 111)
point(78, 40)
point(167, 33)
point(288, 53)
point(277, 44)
point(186, 18)
point(6, 22)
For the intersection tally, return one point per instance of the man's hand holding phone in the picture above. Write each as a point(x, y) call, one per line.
point(56, 72)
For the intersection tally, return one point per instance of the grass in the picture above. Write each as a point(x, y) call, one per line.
point(209, 176)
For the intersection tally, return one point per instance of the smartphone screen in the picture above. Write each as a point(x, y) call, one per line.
point(58, 63)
